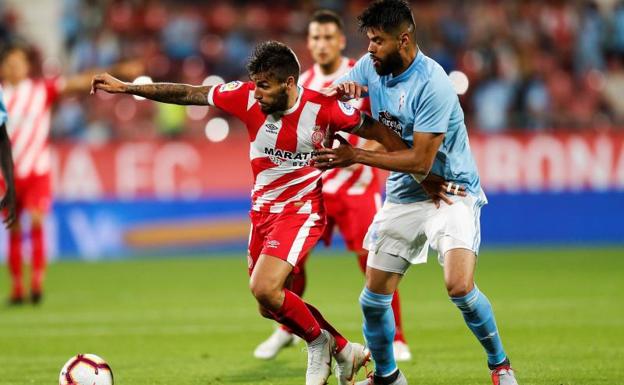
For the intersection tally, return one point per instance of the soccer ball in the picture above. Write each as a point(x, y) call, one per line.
point(86, 369)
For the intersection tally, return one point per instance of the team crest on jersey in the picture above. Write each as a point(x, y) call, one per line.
point(231, 86)
point(317, 135)
point(388, 120)
point(347, 108)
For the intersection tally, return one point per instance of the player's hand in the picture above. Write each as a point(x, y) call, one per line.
point(345, 91)
point(9, 203)
point(437, 188)
point(107, 82)
point(341, 156)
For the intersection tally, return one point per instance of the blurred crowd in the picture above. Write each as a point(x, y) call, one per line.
point(530, 65)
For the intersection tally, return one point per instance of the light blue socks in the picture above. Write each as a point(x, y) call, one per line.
point(379, 330)
point(479, 317)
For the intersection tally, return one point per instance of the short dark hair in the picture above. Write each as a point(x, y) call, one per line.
point(274, 58)
point(325, 16)
point(387, 15)
point(16, 45)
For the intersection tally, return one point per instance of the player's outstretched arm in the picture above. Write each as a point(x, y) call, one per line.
point(173, 93)
point(9, 201)
point(81, 82)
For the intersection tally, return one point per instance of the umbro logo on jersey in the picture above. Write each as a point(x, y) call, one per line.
point(271, 128)
point(388, 120)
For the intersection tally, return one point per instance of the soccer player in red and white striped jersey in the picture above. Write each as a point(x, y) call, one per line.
point(286, 123)
point(352, 195)
point(29, 100)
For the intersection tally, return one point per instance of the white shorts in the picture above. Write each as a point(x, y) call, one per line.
point(408, 230)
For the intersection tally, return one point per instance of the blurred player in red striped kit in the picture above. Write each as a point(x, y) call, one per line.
point(352, 195)
point(29, 100)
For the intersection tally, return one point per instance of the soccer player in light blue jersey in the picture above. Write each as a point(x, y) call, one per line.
point(9, 201)
point(412, 95)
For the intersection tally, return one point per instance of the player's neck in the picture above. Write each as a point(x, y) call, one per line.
point(407, 58)
point(293, 95)
point(330, 68)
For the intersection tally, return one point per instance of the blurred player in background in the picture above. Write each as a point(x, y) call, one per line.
point(352, 195)
point(286, 123)
point(9, 200)
point(29, 99)
point(412, 93)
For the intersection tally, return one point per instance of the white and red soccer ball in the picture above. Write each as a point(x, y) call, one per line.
point(86, 369)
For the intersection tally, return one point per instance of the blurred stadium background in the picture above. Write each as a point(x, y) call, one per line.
point(542, 85)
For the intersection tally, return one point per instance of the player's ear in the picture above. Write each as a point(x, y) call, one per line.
point(291, 82)
point(343, 42)
point(404, 39)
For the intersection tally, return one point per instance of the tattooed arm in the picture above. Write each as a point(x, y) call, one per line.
point(173, 93)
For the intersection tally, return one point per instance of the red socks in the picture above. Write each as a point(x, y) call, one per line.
point(295, 315)
point(15, 263)
point(341, 342)
point(38, 259)
point(396, 309)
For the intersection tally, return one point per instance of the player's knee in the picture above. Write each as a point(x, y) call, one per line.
point(266, 313)
point(267, 295)
point(36, 218)
point(459, 288)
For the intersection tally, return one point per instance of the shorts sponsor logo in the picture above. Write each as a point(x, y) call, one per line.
point(273, 244)
point(388, 120)
point(231, 86)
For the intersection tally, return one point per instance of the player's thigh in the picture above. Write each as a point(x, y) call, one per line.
point(269, 275)
point(459, 268)
point(257, 233)
point(455, 226)
point(292, 236)
point(399, 229)
point(36, 196)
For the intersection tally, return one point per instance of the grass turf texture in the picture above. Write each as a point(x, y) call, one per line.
point(193, 321)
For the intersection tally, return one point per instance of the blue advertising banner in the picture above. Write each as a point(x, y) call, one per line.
point(119, 229)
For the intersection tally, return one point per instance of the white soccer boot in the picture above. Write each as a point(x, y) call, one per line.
point(277, 341)
point(349, 361)
point(503, 375)
point(401, 380)
point(401, 351)
point(319, 359)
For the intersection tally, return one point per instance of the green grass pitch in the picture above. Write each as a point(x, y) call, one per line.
point(193, 322)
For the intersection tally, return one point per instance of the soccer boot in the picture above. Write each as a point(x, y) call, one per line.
point(401, 351)
point(503, 374)
point(349, 361)
point(319, 359)
point(372, 380)
point(277, 341)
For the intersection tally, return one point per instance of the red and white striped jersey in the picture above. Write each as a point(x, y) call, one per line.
point(29, 105)
point(282, 144)
point(357, 179)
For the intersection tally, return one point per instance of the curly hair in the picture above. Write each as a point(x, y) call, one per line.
point(275, 59)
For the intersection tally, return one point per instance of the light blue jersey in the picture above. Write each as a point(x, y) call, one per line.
point(3, 110)
point(421, 99)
